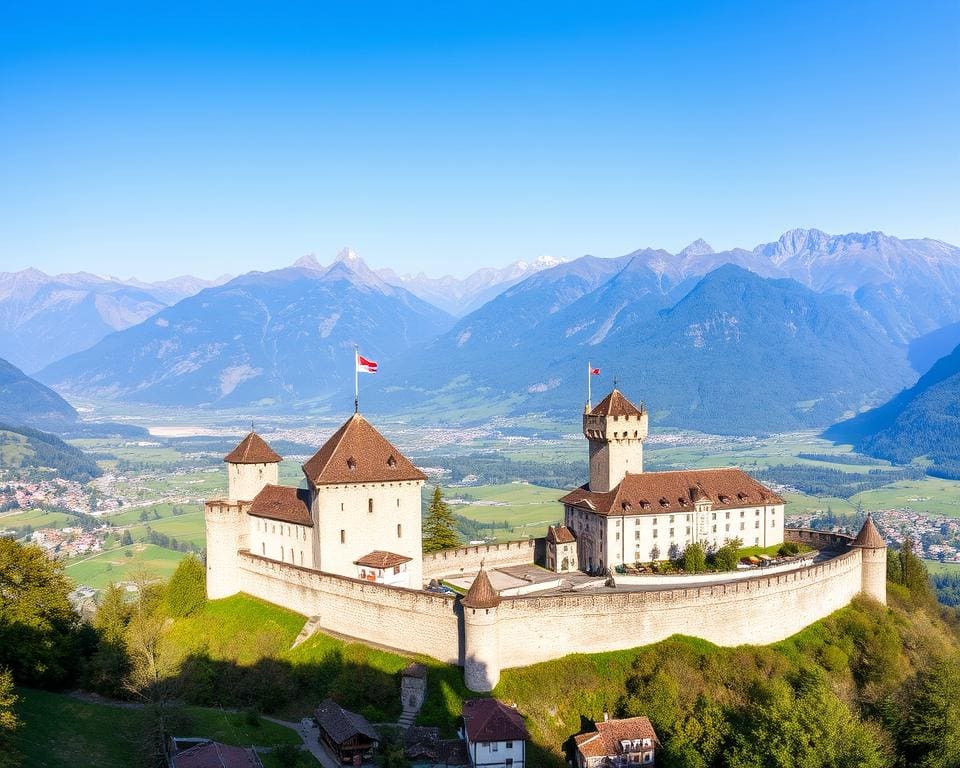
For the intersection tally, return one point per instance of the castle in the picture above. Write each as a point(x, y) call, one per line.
point(346, 552)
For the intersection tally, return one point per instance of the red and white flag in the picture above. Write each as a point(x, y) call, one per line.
point(594, 371)
point(364, 365)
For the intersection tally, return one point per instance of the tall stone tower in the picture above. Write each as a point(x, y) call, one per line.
point(873, 569)
point(250, 466)
point(481, 635)
point(615, 429)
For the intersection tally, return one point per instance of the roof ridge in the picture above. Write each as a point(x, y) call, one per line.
point(342, 429)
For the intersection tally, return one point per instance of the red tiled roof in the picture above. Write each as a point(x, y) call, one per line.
point(489, 720)
point(253, 449)
point(616, 404)
point(560, 534)
point(380, 559)
point(869, 537)
point(216, 755)
point(481, 593)
point(281, 502)
point(652, 493)
point(605, 741)
point(358, 453)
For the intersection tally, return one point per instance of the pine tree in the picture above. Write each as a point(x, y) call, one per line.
point(439, 526)
point(187, 591)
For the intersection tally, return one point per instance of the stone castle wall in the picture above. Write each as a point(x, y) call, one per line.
point(416, 622)
point(468, 559)
point(759, 609)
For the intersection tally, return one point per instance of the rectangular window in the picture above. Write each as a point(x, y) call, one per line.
point(654, 533)
point(509, 762)
point(618, 535)
point(713, 516)
point(671, 533)
point(369, 505)
point(688, 530)
point(494, 746)
point(636, 534)
point(714, 529)
point(671, 518)
point(756, 524)
point(343, 535)
point(728, 515)
point(399, 530)
point(509, 745)
point(742, 526)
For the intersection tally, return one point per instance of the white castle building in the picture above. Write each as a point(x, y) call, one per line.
point(624, 515)
point(346, 551)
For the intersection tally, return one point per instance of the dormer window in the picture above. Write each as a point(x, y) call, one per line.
point(351, 463)
point(664, 502)
point(391, 462)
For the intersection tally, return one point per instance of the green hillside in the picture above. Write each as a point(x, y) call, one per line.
point(23, 448)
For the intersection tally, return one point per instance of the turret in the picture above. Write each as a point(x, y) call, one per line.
point(481, 635)
point(250, 466)
point(873, 569)
point(225, 531)
point(615, 429)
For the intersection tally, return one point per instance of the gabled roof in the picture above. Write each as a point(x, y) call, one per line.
point(652, 493)
point(489, 720)
point(358, 453)
point(213, 754)
point(616, 404)
point(380, 559)
point(481, 593)
point(869, 537)
point(281, 502)
point(341, 724)
point(253, 449)
point(560, 534)
point(605, 741)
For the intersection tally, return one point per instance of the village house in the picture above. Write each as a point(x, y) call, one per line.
point(495, 734)
point(348, 735)
point(618, 744)
point(561, 549)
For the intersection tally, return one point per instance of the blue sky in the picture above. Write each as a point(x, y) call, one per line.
point(154, 139)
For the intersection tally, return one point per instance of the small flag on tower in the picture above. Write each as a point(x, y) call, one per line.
point(364, 365)
point(594, 371)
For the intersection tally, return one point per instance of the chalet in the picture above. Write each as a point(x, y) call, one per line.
point(618, 744)
point(495, 734)
point(348, 735)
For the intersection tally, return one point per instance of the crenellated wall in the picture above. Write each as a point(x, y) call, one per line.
point(468, 559)
point(528, 629)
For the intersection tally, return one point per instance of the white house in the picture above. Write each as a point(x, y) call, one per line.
point(495, 734)
point(618, 744)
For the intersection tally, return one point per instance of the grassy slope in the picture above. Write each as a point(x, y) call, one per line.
point(113, 565)
point(553, 695)
point(57, 729)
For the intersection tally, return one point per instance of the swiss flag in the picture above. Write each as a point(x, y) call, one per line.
point(594, 371)
point(364, 365)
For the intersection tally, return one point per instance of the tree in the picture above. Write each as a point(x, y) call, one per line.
point(726, 558)
point(9, 722)
point(439, 526)
point(187, 591)
point(931, 735)
point(694, 558)
point(38, 627)
point(126, 540)
point(109, 665)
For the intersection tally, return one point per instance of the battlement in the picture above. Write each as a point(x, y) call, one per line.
point(464, 559)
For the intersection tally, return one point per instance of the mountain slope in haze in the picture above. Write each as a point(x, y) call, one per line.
point(30, 449)
point(25, 401)
point(460, 297)
point(44, 317)
point(286, 335)
point(731, 353)
point(925, 350)
point(923, 420)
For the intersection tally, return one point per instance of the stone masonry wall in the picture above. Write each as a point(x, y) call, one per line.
point(761, 609)
point(467, 559)
point(415, 622)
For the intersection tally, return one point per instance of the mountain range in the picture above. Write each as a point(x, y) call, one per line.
point(46, 317)
point(795, 333)
point(922, 421)
point(25, 401)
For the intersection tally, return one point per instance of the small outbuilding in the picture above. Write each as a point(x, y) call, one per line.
point(495, 734)
point(618, 744)
point(348, 735)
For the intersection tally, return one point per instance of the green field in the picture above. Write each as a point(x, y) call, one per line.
point(62, 732)
point(930, 495)
point(936, 567)
point(528, 508)
point(100, 570)
point(38, 518)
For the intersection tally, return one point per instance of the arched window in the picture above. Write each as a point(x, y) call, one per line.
point(399, 530)
point(370, 506)
point(343, 535)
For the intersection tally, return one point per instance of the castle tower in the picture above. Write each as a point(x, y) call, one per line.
point(250, 466)
point(615, 429)
point(874, 563)
point(226, 527)
point(481, 635)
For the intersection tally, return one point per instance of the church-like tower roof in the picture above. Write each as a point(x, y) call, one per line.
point(616, 404)
point(481, 593)
point(253, 449)
point(869, 537)
point(358, 453)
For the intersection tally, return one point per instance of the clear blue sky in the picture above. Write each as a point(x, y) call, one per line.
point(154, 138)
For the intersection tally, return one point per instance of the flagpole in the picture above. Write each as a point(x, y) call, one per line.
point(356, 379)
point(589, 396)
